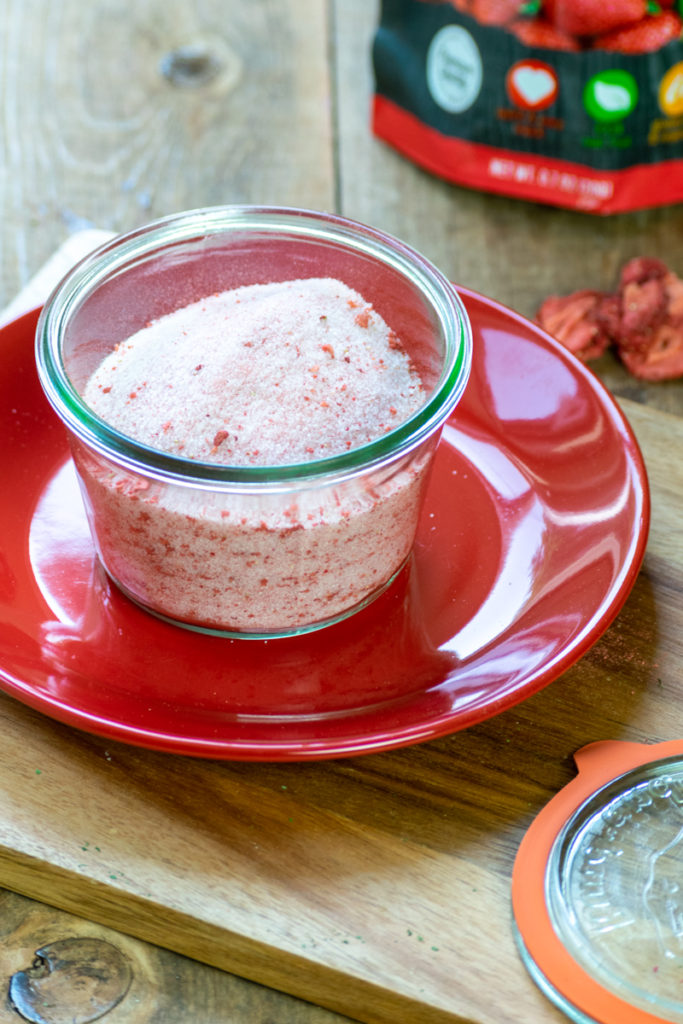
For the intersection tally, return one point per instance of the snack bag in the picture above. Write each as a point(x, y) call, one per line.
point(574, 103)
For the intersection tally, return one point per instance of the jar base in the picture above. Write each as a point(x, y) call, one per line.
point(260, 634)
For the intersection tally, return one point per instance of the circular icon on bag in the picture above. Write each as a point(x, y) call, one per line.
point(610, 95)
point(531, 84)
point(671, 91)
point(454, 69)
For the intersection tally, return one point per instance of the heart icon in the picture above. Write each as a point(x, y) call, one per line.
point(532, 85)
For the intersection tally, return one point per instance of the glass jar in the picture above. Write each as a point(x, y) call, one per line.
point(250, 550)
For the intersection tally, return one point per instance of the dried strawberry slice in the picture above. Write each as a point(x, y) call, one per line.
point(575, 321)
point(663, 360)
point(642, 268)
point(643, 310)
point(643, 318)
point(644, 293)
point(674, 291)
point(655, 353)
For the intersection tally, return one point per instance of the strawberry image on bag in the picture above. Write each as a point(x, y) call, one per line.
point(573, 103)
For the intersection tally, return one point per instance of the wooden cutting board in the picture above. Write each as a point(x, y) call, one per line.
point(377, 886)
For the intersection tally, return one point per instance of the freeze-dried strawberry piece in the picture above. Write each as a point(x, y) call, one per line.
point(574, 320)
point(640, 269)
point(663, 360)
point(642, 318)
point(608, 314)
point(643, 309)
point(650, 336)
point(540, 33)
point(593, 17)
point(674, 291)
point(646, 36)
point(643, 302)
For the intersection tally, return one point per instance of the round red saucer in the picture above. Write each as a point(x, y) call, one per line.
point(533, 532)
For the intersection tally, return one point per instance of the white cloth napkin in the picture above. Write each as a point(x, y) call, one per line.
point(41, 284)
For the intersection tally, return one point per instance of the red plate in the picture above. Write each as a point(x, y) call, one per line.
point(532, 535)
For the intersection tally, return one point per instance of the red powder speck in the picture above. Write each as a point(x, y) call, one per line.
point(363, 319)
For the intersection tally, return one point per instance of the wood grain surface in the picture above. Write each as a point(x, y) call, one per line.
point(114, 113)
point(377, 887)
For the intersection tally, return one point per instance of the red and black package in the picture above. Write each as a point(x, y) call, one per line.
point(574, 103)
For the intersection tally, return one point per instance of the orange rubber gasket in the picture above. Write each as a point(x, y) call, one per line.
point(598, 764)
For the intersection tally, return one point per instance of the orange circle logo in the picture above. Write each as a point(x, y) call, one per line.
point(671, 91)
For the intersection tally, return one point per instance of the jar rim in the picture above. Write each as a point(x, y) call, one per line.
point(123, 251)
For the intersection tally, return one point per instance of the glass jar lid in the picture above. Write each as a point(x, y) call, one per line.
point(597, 888)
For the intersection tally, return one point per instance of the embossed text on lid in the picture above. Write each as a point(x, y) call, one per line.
point(601, 924)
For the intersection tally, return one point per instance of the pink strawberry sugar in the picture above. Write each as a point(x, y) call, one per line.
point(264, 375)
point(261, 375)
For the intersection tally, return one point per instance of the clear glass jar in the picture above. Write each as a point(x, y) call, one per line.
point(596, 887)
point(254, 551)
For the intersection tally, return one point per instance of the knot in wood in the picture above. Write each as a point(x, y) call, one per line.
point(189, 66)
point(71, 981)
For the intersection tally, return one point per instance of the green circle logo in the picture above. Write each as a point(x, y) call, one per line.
point(610, 96)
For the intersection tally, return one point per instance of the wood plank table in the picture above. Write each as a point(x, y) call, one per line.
point(382, 881)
